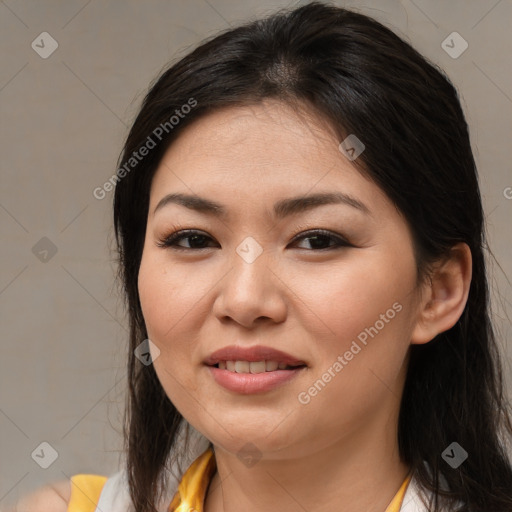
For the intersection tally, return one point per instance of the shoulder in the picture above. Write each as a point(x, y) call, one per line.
point(54, 496)
point(417, 498)
point(100, 493)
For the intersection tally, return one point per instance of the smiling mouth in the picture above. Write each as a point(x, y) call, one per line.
point(255, 366)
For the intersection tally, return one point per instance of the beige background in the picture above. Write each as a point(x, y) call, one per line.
point(63, 120)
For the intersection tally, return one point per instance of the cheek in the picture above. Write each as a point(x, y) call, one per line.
point(344, 301)
point(170, 304)
point(153, 294)
point(363, 313)
point(166, 295)
point(161, 310)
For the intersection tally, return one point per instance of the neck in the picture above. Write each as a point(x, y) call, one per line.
point(360, 472)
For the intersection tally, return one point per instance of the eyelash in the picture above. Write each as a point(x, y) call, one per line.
point(171, 240)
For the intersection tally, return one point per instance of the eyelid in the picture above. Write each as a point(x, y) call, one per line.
point(305, 229)
point(179, 234)
point(301, 232)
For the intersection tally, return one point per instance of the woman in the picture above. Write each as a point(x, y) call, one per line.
point(301, 239)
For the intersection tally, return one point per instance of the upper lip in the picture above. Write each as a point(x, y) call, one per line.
point(251, 354)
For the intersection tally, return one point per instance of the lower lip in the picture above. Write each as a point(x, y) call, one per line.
point(249, 383)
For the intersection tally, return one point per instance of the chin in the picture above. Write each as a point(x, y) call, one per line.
point(246, 436)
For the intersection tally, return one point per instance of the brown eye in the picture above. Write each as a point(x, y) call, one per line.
point(322, 240)
point(196, 240)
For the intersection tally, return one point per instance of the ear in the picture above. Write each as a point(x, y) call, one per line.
point(444, 297)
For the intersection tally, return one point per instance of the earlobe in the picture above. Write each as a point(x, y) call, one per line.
point(445, 295)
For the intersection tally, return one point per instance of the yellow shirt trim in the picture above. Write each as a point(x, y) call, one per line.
point(86, 489)
point(396, 502)
point(85, 492)
point(192, 488)
point(194, 482)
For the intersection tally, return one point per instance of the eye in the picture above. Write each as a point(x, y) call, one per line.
point(319, 239)
point(196, 239)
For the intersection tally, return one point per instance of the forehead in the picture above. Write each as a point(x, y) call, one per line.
point(269, 145)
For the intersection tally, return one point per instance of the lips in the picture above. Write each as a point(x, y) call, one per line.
point(252, 354)
point(253, 370)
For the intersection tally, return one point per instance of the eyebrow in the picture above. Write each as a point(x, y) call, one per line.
point(282, 208)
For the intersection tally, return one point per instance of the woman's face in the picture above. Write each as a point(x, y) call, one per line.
point(342, 304)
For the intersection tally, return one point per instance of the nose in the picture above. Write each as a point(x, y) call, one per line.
point(251, 293)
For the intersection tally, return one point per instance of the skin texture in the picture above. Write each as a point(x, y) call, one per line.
point(341, 447)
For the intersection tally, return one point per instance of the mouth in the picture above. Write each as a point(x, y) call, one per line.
point(249, 370)
point(254, 367)
point(255, 359)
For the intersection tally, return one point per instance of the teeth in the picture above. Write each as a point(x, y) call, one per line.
point(270, 366)
point(252, 367)
point(242, 366)
point(257, 367)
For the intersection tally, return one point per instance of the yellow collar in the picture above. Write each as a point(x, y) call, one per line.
point(192, 488)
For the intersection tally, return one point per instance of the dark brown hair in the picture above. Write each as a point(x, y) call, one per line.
point(362, 79)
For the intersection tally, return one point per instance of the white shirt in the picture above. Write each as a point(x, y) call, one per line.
point(115, 495)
